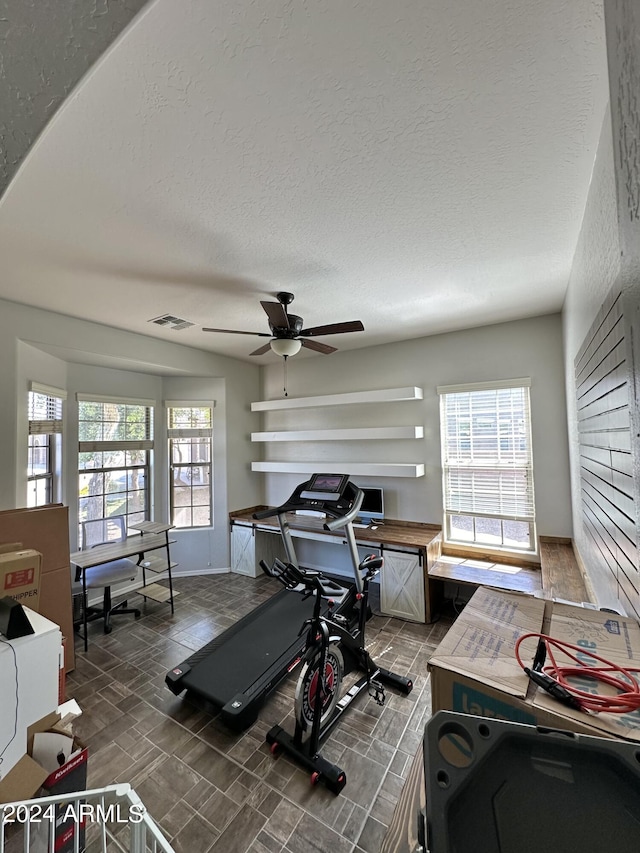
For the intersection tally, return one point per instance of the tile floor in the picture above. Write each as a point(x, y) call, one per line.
point(212, 791)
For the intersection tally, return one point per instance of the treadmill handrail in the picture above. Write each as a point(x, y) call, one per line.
point(339, 520)
point(271, 511)
point(347, 517)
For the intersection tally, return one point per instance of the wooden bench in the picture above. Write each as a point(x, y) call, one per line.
point(561, 574)
point(557, 575)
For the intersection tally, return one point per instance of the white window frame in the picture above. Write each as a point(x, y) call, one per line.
point(174, 433)
point(484, 476)
point(45, 418)
point(120, 444)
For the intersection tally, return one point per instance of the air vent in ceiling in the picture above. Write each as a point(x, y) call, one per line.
point(175, 323)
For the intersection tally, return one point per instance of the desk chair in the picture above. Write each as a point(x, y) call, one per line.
point(100, 531)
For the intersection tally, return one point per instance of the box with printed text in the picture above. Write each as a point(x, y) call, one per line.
point(20, 571)
point(474, 669)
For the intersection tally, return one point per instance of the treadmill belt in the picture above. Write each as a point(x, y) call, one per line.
point(246, 655)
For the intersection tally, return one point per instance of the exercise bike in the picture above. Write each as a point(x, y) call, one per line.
point(332, 650)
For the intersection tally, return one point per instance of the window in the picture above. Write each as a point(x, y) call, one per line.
point(44, 455)
point(114, 458)
point(485, 431)
point(190, 432)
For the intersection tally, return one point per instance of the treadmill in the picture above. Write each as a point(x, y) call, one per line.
point(239, 669)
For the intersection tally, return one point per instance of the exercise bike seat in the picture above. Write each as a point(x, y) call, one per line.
point(371, 563)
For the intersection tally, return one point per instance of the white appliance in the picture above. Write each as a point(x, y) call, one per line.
point(29, 673)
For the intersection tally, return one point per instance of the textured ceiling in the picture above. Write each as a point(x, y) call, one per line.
point(45, 48)
point(420, 166)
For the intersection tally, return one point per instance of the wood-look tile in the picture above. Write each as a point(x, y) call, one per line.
point(106, 765)
point(352, 826)
point(199, 794)
point(382, 811)
point(258, 847)
point(399, 762)
point(197, 835)
point(269, 802)
point(213, 790)
point(176, 819)
point(241, 832)
point(157, 797)
point(94, 718)
point(268, 843)
point(216, 735)
point(109, 733)
point(212, 765)
point(392, 786)
point(391, 727)
point(219, 810)
point(169, 736)
point(372, 835)
point(313, 836)
point(284, 820)
point(143, 765)
point(411, 741)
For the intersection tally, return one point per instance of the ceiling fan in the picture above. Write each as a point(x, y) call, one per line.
point(287, 334)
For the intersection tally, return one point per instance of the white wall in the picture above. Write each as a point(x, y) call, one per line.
point(86, 357)
point(527, 348)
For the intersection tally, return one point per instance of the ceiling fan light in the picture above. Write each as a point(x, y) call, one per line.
point(286, 346)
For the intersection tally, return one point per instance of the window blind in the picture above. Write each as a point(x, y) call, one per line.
point(45, 414)
point(486, 453)
point(189, 420)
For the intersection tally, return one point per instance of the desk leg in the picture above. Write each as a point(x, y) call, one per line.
point(84, 610)
point(169, 571)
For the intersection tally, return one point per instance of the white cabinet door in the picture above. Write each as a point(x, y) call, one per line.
point(243, 550)
point(402, 585)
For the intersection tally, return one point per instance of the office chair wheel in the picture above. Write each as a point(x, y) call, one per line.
point(108, 629)
point(137, 614)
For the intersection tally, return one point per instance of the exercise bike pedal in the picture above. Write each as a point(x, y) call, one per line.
point(376, 692)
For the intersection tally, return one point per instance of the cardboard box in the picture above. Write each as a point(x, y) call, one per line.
point(55, 604)
point(29, 778)
point(20, 576)
point(474, 669)
point(69, 778)
point(46, 529)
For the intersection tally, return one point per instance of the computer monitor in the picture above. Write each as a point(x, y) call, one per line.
point(372, 504)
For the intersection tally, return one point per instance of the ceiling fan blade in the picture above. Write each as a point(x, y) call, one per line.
point(237, 332)
point(318, 347)
point(277, 315)
point(333, 329)
point(261, 350)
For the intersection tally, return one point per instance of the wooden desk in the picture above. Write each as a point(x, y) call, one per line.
point(408, 547)
point(150, 539)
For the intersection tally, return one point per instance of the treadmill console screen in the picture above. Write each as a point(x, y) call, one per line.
point(325, 487)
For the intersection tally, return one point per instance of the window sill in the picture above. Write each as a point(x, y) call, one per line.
point(486, 552)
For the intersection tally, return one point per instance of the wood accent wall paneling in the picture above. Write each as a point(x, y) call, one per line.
point(609, 494)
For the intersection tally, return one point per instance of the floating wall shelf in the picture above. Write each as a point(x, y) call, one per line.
point(387, 395)
point(373, 469)
point(353, 434)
